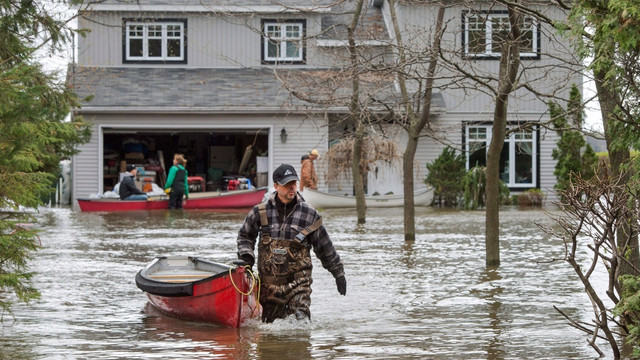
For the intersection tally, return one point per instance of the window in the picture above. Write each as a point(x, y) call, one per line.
point(155, 41)
point(518, 161)
point(283, 41)
point(484, 34)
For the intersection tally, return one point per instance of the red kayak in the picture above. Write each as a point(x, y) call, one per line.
point(205, 200)
point(194, 289)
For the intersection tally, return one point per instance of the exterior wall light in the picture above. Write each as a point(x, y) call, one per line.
point(283, 135)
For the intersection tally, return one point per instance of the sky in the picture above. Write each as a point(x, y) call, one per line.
point(57, 62)
point(593, 117)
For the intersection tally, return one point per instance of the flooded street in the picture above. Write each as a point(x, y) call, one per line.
point(432, 299)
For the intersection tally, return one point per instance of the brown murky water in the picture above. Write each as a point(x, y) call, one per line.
point(433, 299)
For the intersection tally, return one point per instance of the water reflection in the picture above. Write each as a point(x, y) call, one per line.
point(430, 298)
point(492, 279)
point(214, 341)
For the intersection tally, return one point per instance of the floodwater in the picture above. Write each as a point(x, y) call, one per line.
point(431, 299)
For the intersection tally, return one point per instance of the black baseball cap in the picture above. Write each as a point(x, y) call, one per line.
point(130, 167)
point(284, 174)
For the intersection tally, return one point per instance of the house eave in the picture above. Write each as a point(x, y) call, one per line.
point(221, 111)
point(204, 110)
point(229, 9)
point(344, 43)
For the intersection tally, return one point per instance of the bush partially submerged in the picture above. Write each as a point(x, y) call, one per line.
point(531, 198)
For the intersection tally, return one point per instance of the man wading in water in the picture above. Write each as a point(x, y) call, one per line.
point(288, 228)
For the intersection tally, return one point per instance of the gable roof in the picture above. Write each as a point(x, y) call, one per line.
point(179, 89)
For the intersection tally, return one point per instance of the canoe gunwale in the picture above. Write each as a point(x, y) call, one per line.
point(175, 289)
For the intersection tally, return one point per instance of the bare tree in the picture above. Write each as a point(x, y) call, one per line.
point(513, 81)
point(509, 67)
point(593, 212)
point(354, 110)
point(415, 122)
point(352, 82)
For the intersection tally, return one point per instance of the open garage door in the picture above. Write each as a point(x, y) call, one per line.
point(213, 156)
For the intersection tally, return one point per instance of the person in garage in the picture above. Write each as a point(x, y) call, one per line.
point(128, 189)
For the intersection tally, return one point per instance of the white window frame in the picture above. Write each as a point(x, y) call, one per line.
point(164, 37)
point(283, 41)
point(510, 141)
point(488, 29)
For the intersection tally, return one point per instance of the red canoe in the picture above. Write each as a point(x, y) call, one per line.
point(194, 289)
point(204, 200)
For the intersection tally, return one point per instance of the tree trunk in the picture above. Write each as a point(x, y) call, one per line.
point(626, 239)
point(356, 171)
point(509, 65)
point(356, 117)
point(407, 175)
point(416, 124)
point(492, 201)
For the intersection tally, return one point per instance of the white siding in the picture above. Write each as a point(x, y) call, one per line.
point(213, 40)
point(548, 75)
point(448, 130)
point(545, 75)
point(548, 141)
point(86, 168)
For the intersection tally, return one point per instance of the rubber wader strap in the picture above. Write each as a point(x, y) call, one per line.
point(309, 229)
point(264, 222)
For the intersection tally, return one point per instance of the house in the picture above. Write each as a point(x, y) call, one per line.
point(212, 79)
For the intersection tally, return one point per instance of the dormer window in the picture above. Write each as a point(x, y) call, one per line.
point(485, 33)
point(155, 41)
point(283, 41)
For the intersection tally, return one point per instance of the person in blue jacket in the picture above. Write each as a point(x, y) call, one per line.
point(177, 185)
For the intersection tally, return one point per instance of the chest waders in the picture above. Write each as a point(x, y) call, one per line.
point(177, 190)
point(285, 272)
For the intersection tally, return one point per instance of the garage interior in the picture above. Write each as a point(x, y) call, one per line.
point(213, 156)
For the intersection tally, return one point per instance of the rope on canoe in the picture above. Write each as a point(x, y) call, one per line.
point(247, 268)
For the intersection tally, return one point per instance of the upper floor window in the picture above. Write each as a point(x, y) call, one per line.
point(155, 41)
point(485, 33)
point(518, 160)
point(283, 41)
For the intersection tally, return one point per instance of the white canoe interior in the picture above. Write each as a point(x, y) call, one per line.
point(178, 277)
point(182, 269)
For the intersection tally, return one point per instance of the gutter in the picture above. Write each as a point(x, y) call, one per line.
point(230, 9)
point(204, 110)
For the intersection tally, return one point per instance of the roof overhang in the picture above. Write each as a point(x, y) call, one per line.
point(230, 9)
point(182, 110)
point(345, 43)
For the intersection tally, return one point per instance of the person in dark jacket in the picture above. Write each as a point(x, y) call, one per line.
point(288, 228)
point(128, 189)
point(177, 185)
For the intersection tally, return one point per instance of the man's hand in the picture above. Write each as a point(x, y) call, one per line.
point(248, 259)
point(341, 283)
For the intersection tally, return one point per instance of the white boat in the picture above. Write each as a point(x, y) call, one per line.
point(318, 199)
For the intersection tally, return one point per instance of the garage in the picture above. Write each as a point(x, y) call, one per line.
point(214, 156)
